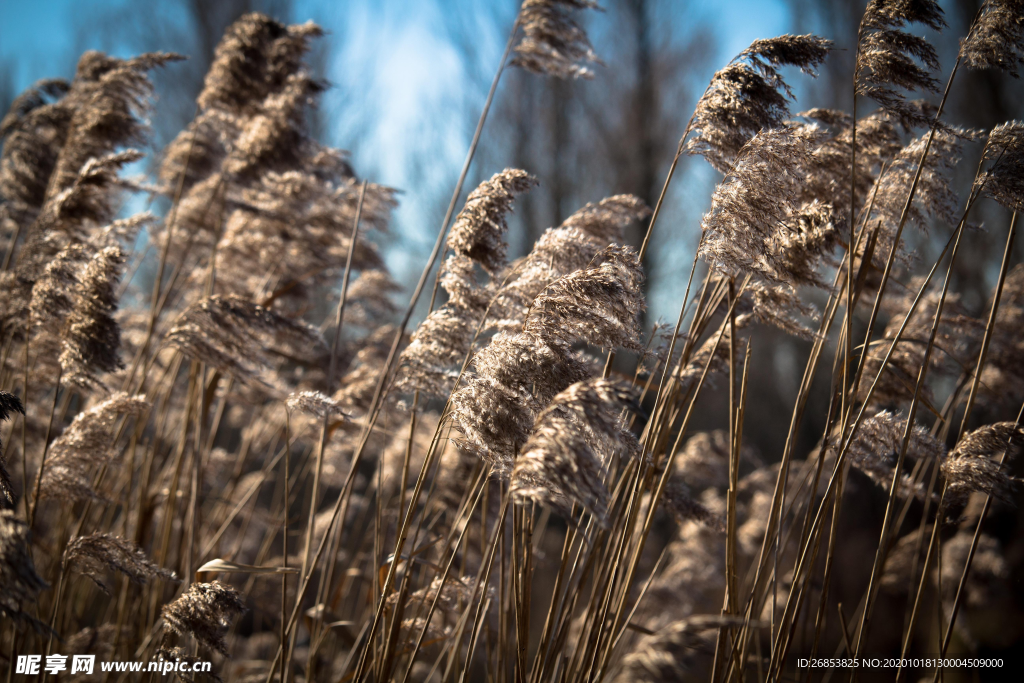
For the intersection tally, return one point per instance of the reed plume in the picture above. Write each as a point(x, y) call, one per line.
point(553, 42)
point(876, 445)
point(975, 463)
point(563, 462)
point(204, 611)
point(253, 59)
point(479, 229)
point(749, 95)
point(599, 305)
point(878, 140)
point(32, 132)
point(763, 223)
point(315, 404)
point(956, 341)
point(91, 338)
point(243, 339)
point(996, 41)
point(1003, 181)
point(890, 59)
point(935, 198)
point(561, 250)
point(85, 443)
point(111, 98)
point(439, 345)
point(96, 554)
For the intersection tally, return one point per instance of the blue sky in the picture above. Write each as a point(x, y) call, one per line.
point(395, 57)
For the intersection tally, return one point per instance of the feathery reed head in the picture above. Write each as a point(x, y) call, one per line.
point(684, 507)
point(479, 229)
point(957, 337)
point(996, 41)
point(84, 443)
point(89, 201)
point(749, 95)
point(38, 95)
point(608, 219)
point(275, 138)
point(91, 338)
point(934, 198)
point(975, 463)
point(197, 151)
point(599, 305)
point(494, 420)
point(876, 446)
point(569, 247)
point(253, 59)
point(315, 404)
point(878, 140)
point(32, 133)
point(553, 41)
point(889, 58)
point(242, 338)
point(204, 611)
point(440, 343)
point(111, 98)
point(1003, 181)
point(96, 554)
point(759, 222)
point(562, 463)
point(530, 365)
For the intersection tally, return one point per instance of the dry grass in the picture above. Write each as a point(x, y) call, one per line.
point(494, 495)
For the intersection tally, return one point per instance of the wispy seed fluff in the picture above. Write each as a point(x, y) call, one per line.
point(90, 201)
point(563, 462)
point(955, 345)
point(974, 465)
point(749, 95)
point(9, 404)
point(935, 197)
point(876, 447)
point(889, 58)
point(204, 611)
point(253, 59)
point(599, 305)
point(441, 343)
point(86, 442)
point(91, 338)
point(1003, 181)
point(561, 250)
point(553, 41)
point(681, 504)
point(479, 230)
point(19, 582)
point(879, 138)
point(518, 374)
point(758, 222)
point(242, 338)
point(997, 38)
point(314, 404)
point(32, 133)
point(96, 554)
point(112, 100)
